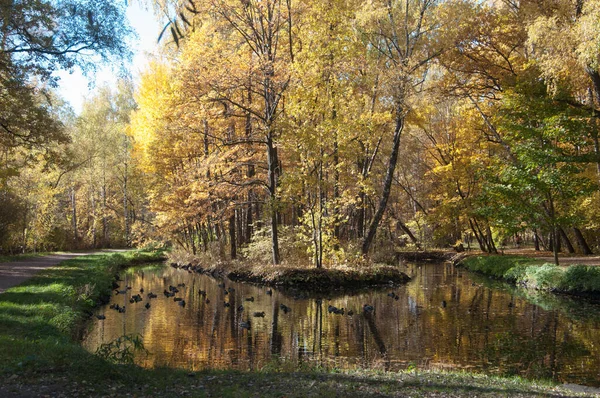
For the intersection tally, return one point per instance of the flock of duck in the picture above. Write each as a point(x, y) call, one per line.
point(172, 291)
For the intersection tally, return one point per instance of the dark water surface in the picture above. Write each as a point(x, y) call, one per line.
point(445, 318)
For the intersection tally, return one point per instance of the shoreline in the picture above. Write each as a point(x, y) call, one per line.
point(309, 280)
point(579, 281)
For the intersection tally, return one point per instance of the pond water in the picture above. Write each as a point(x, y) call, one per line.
point(445, 318)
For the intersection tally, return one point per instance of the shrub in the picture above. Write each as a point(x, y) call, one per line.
point(581, 278)
point(544, 277)
point(516, 273)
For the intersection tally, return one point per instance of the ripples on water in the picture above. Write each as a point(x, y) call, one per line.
point(445, 318)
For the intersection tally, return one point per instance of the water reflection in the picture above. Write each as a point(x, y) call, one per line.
point(444, 319)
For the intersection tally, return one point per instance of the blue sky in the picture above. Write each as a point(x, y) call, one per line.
point(74, 87)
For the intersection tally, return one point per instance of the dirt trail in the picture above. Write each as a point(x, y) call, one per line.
point(15, 272)
point(564, 259)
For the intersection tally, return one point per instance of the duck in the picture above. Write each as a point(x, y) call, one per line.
point(142, 290)
point(225, 292)
point(147, 306)
point(181, 285)
point(350, 313)
point(121, 309)
point(226, 304)
point(181, 303)
point(240, 308)
point(152, 295)
point(207, 301)
point(444, 304)
point(367, 308)
point(168, 294)
point(285, 308)
point(251, 299)
point(245, 324)
point(230, 289)
point(259, 314)
point(101, 317)
point(202, 293)
point(331, 309)
point(177, 299)
point(124, 291)
point(269, 292)
point(173, 289)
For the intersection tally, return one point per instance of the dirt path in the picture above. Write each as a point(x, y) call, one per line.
point(15, 272)
point(564, 259)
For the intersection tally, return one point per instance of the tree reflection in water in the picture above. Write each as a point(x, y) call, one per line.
point(444, 318)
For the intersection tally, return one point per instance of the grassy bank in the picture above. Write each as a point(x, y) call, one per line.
point(531, 273)
point(41, 356)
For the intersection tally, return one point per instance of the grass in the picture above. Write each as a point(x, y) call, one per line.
point(40, 321)
point(531, 273)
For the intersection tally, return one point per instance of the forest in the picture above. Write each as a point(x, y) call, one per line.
point(309, 132)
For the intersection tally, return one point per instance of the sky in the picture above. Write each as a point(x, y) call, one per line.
point(74, 87)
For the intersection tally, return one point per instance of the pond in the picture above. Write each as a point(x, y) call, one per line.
point(445, 318)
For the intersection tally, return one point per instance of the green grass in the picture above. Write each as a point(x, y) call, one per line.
point(40, 322)
point(531, 273)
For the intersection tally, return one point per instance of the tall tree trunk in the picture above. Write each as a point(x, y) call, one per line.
point(336, 194)
point(536, 240)
point(490, 240)
point(566, 239)
point(581, 242)
point(272, 164)
point(125, 207)
point(387, 185)
point(94, 243)
point(477, 237)
point(555, 244)
point(104, 219)
point(74, 215)
point(232, 241)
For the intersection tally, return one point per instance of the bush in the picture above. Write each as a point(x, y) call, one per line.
point(516, 273)
point(545, 277)
point(581, 278)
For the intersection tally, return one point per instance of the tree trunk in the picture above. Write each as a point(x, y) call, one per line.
point(477, 237)
point(581, 242)
point(125, 207)
point(555, 244)
point(272, 163)
point(74, 215)
point(566, 239)
point(232, 241)
point(536, 240)
point(387, 185)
